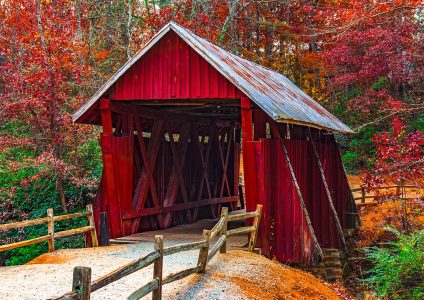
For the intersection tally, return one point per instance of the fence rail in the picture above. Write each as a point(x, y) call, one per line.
point(82, 285)
point(51, 234)
point(400, 191)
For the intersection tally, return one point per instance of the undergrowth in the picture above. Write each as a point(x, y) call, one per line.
point(397, 270)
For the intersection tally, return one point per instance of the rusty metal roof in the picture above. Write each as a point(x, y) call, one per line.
point(280, 98)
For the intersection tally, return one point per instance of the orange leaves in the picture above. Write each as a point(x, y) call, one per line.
point(102, 55)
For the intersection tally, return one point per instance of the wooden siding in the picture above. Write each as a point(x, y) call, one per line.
point(171, 69)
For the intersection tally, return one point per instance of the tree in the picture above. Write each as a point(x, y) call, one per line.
point(42, 75)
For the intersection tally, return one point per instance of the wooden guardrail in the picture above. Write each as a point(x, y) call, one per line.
point(400, 191)
point(51, 234)
point(82, 285)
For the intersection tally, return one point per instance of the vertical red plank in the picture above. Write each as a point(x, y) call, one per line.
point(213, 82)
point(184, 69)
point(222, 89)
point(166, 71)
point(178, 68)
point(204, 71)
point(259, 125)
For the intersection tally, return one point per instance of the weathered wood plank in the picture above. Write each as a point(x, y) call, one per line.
point(24, 243)
point(39, 221)
point(158, 268)
point(70, 232)
point(94, 240)
point(125, 270)
point(217, 228)
point(203, 253)
point(243, 216)
point(173, 277)
point(241, 230)
point(71, 216)
point(144, 290)
point(22, 224)
point(223, 232)
point(184, 247)
point(216, 247)
point(254, 234)
point(50, 229)
point(81, 282)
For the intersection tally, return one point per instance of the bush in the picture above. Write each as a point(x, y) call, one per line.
point(398, 269)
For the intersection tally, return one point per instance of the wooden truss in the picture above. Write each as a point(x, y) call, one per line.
point(183, 168)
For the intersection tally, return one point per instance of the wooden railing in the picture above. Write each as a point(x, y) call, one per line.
point(400, 192)
point(82, 285)
point(51, 234)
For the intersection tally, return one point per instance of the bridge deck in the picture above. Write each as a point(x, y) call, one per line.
point(185, 233)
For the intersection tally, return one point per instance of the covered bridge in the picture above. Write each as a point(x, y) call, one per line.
point(175, 118)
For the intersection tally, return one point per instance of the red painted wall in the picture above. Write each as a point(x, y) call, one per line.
point(172, 70)
point(284, 233)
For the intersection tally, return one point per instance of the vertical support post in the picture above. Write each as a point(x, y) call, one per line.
point(81, 283)
point(104, 229)
point(363, 194)
point(50, 229)
point(240, 191)
point(254, 234)
point(94, 241)
point(158, 268)
point(203, 253)
point(249, 167)
point(224, 214)
point(106, 142)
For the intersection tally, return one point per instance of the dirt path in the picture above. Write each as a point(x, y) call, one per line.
point(236, 275)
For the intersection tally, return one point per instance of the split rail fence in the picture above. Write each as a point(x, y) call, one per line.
point(51, 234)
point(401, 191)
point(82, 285)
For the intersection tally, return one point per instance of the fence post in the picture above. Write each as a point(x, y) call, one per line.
point(224, 214)
point(203, 253)
point(94, 241)
point(104, 229)
point(158, 267)
point(363, 194)
point(254, 234)
point(50, 229)
point(81, 283)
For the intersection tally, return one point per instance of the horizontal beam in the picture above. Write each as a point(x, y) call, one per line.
point(243, 216)
point(131, 214)
point(144, 290)
point(25, 243)
point(39, 221)
point(199, 203)
point(173, 277)
point(390, 187)
point(23, 224)
point(71, 216)
point(184, 247)
point(241, 230)
point(65, 233)
point(125, 270)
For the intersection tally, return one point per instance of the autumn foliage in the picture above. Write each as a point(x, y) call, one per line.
point(363, 60)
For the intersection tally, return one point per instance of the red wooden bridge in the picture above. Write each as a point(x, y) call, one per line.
point(174, 120)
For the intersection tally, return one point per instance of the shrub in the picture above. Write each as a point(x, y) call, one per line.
point(397, 268)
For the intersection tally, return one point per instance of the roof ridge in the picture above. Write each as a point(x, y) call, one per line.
point(272, 91)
